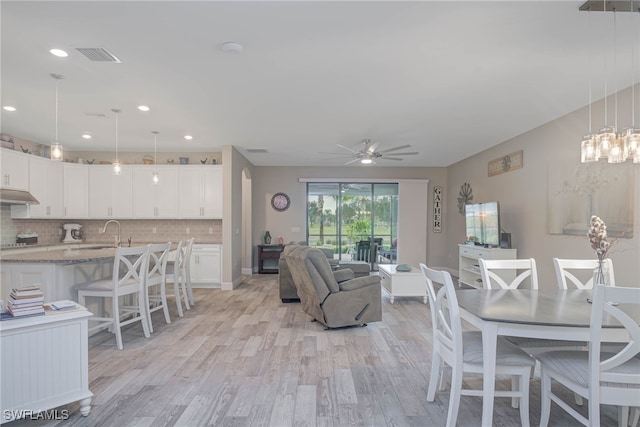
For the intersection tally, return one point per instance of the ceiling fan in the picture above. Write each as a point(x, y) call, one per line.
point(367, 153)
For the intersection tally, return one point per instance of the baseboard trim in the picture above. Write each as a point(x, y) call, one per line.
point(247, 271)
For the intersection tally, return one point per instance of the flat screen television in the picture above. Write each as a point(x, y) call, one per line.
point(483, 223)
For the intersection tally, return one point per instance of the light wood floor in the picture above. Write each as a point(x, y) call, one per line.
point(242, 358)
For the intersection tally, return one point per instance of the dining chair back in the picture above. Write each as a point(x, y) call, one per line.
point(491, 279)
point(176, 274)
point(128, 278)
point(187, 271)
point(603, 377)
point(155, 289)
point(463, 350)
point(565, 269)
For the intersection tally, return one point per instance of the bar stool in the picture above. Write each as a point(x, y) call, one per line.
point(177, 274)
point(187, 266)
point(155, 289)
point(129, 272)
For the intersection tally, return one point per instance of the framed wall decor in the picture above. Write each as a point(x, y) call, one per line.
point(437, 209)
point(506, 163)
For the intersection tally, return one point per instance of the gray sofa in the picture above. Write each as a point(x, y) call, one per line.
point(352, 302)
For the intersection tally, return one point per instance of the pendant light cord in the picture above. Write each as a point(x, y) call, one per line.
point(589, 65)
point(615, 68)
point(56, 141)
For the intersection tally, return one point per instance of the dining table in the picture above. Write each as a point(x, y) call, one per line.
point(562, 314)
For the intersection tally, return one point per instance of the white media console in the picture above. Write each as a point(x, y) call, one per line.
point(470, 267)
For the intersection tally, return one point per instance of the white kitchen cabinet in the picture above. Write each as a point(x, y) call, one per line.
point(470, 266)
point(76, 191)
point(15, 170)
point(205, 265)
point(46, 184)
point(110, 195)
point(200, 194)
point(155, 200)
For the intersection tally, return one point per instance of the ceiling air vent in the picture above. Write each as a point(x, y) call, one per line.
point(257, 151)
point(98, 54)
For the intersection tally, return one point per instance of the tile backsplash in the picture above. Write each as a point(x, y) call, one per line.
point(141, 231)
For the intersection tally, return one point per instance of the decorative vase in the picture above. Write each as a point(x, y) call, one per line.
point(267, 238)
point(601, 274)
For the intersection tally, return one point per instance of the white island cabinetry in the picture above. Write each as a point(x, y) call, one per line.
point(205, 265)
point(470, 266)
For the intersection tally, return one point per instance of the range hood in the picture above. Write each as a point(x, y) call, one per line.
point(17, 197)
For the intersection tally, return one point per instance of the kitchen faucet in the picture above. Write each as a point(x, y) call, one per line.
point(104, 230)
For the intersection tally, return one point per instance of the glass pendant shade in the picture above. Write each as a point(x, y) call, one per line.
point(617, 151)
point(117, 168)
point(589, 151)
point(156, 177)
point(57, 152)
point(632, 139)
point(604, 140)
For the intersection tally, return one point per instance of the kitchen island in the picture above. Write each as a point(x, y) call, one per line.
point(58, 269)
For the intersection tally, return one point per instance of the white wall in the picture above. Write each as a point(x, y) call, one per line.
point(523, 195)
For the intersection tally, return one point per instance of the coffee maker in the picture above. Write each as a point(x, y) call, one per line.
point(73, 234)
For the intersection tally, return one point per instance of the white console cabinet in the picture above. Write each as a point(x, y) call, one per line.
point(470, 266)
point(44, 364)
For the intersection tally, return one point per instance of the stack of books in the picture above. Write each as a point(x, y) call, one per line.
point(26, 301)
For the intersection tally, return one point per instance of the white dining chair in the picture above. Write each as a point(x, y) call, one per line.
point(187, 268)
point(522, 269)
point(490, 270)
point(566, 272)
point(462, 351)
point(129, 270)
point(176, 274)
point(155, 281)
point(610, 378)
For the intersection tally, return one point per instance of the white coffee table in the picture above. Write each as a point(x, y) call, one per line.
point(401, 283)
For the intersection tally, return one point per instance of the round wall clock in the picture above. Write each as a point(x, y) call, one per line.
point(280, 202)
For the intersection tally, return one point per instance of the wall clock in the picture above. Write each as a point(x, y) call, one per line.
point(280, 202)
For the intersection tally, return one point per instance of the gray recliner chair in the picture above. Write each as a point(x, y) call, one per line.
point(288, 291)
point(352, 302)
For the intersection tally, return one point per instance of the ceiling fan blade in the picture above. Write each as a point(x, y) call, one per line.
point(347, 148)
point(405, 154)
point(372, 147)
point(352, 161)
point(335, 154)
point(391, 158)
point(399, 147)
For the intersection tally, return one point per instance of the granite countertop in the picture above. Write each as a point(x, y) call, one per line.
point(63, 253)
point(59, 255)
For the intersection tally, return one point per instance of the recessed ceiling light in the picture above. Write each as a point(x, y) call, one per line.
point(9, 108)
point(59, 52)
point(188, 137)
point(232, 48)
point(143, 108)
point(86, 136)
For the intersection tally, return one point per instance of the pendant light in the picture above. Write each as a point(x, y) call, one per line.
point(117, 167)
point(588, 146)
point(57, 152)
point(607, 135)
point(617, 151)
point(155, 176)
point(632, 134)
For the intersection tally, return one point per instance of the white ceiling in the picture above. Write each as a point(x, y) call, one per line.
point(450, 78)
